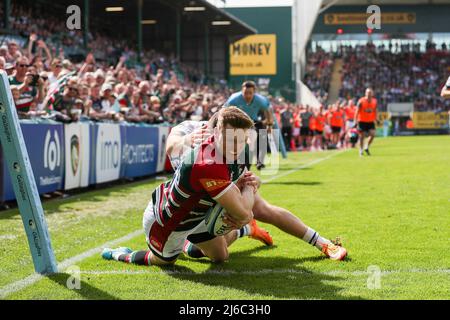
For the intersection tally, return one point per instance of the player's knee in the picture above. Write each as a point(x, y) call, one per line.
point(220, 256)
point(261, 210)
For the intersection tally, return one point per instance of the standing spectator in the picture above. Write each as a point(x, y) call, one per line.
point(336, 120)
point(365, 116)
point(296, 127)
point(286, 117)
point(13, 51)
point(55, 71)
point(30, 85)
point(305, 131)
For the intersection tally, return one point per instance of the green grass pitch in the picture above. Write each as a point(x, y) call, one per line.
point(392, 211)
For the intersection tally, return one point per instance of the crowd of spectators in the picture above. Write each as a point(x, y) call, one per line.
point(106, 84)
point(319, 66)
point(405, 76)
point(397, 73)
point(53, 75)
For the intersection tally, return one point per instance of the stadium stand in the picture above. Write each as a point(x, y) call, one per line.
point(398, 73)
point(48, 78)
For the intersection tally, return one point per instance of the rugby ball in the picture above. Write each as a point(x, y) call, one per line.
point(214, 221)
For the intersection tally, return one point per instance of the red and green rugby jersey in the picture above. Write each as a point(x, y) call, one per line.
point(181, 203)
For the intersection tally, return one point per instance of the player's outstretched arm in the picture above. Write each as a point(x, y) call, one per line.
point(179, 141)
point(238, 204)
point(175, 141)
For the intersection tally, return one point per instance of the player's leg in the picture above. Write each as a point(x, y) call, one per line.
point(341, 138)
point(300, 140)
point(251, 230)
point(279, 217)
point(200, 243)
point(371, 138)
point(309, 139)
point(215, 249)
point(139, 257)
point(289, 223)
point(320, 141)
point(261, 146)
point(159, 247)
point(361, 133)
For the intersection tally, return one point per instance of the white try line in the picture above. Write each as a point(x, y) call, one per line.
point(30, 280)
point(260, 272)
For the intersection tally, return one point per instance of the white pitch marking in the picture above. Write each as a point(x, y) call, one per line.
point(259, 272)
point(306, 165)
point(28, 281)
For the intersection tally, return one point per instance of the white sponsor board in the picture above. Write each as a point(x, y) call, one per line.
point(77, 155)
point(163, 133)
point(108, 156)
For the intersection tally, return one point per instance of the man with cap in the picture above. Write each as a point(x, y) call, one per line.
point(9, 68)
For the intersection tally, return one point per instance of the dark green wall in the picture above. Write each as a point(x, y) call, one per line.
point(273, 20)
point(429, 18)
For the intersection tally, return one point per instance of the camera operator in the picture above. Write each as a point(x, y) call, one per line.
point(30, 86)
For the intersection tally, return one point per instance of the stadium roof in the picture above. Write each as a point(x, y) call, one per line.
point(160, 20)
point(383, 2)
point(164, 12)
point(213, 13)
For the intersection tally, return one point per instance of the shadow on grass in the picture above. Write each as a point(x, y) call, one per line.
point(294, 183)
point(277, 276)
point(86, 291)
point(290, 167)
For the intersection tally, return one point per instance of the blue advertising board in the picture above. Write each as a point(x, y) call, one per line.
point(140, 151)
point(45, 145)
point(115, 151)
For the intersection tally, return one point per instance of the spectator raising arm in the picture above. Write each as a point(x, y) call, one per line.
point(42, 46)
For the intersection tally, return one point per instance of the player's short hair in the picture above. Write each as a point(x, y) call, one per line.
point(212, 122)
point(234, 117)
point(249, 84)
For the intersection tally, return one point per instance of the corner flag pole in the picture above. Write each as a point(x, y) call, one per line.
point(30, 206)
